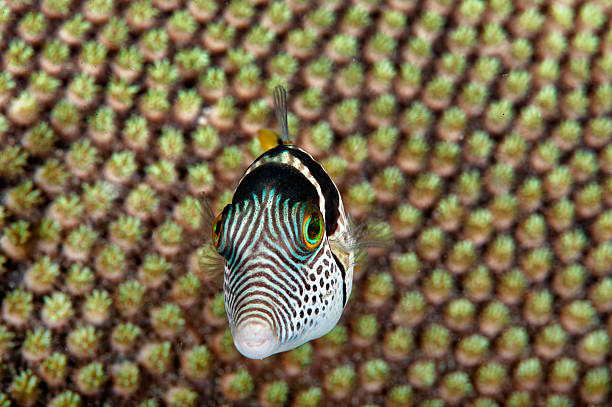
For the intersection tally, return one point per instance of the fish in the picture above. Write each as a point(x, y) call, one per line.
point(288, 247)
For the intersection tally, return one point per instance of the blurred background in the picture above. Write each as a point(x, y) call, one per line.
point(477, 131)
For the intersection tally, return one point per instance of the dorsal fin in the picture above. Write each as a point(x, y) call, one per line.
point(269, 139)
point(280, 108)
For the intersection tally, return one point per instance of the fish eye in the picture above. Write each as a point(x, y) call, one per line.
point(312, 229)
point(216, 229)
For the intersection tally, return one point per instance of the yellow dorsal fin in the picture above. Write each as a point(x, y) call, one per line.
point(268, 139)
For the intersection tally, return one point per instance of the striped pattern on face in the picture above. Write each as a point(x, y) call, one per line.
point(271, 277)
point(327, 194)
point(324, 192)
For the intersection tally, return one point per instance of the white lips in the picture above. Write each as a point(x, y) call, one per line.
point(255, 340)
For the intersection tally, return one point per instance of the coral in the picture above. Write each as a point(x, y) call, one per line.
point(478, 131)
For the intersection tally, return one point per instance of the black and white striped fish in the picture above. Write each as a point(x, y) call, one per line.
point(288, 246)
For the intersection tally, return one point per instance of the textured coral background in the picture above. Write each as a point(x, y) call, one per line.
point(478, 131)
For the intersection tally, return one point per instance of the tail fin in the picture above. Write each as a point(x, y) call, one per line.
point(280, 108)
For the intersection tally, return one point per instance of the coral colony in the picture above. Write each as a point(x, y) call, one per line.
point(478, 131)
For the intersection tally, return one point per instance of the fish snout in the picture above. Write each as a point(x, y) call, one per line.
point(255, 339)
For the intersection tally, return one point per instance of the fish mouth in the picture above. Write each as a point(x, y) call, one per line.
point(255, 339)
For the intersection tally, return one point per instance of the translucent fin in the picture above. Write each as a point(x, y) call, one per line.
point(367, 235)
point(372, 234)
point(208, 216)
point(360, 258)
point(210, 263)
point(280, 108)
point(268, 139)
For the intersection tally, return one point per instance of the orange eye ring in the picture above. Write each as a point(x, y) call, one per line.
point(216, 230)
point(312, 229)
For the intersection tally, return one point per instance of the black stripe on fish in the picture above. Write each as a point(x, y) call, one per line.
point(343, 274)
point(287, 182)
point(328, 188)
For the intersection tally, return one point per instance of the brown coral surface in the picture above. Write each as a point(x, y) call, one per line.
point(477, 131)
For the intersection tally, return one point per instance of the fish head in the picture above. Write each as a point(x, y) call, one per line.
point(282, 285)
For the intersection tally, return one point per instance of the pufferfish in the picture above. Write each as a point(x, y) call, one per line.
point(288, 248)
